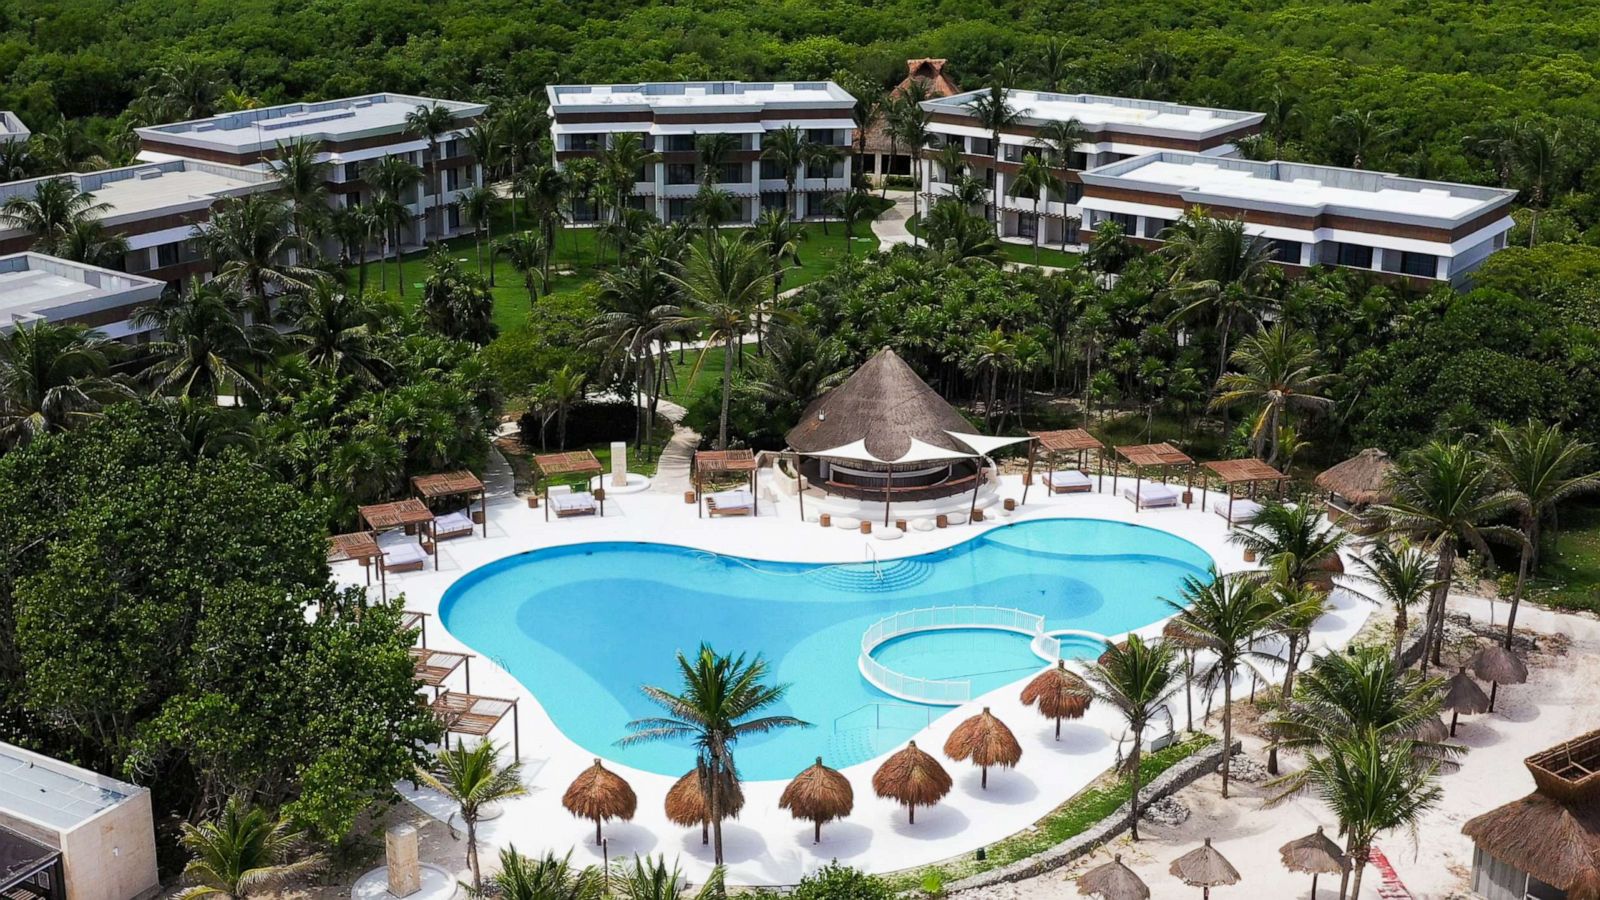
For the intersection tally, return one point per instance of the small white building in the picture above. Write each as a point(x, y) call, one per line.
point(101, 830)
point(352, 134)
point(1402, 228)
point(11, 128)
point(670, 117)
point(38, 288)
point(1117, 128)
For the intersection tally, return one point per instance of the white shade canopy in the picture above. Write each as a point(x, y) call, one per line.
point(922, 451)
point(984, 444)
point(855, 451)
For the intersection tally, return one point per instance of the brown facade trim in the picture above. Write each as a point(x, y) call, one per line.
point(101, 317)
point(1107, 133)
point(178, 148)
point(687, 118)
point(1295, 270)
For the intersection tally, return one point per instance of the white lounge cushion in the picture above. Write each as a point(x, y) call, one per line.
point(888, 534)
point(1244, 509)
point(404, 554)
point(1068, 478)
point(923, 524)
point(847, 523)
point(735, 499)
point(555, 489)
point(1151, 493)
point(456, 521)
point(573, 501)
point(956, 518)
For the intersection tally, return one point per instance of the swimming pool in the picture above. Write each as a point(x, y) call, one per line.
point(583, 626)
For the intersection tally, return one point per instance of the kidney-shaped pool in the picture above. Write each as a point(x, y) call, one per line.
point(583, 627)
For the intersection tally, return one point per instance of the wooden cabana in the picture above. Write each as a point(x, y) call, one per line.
point(434, 667)
point(551, 466)
point(449, 485)
point(410, 514)
point(474, 716)
point(1247, 476)
point(410, 619)
point(1357, 483)
point(1546, 843)
point(1162, 456)
point(357, 546)
point(712, 463)
point(1054, 444)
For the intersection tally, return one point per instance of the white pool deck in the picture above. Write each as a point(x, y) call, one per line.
point(765, 846)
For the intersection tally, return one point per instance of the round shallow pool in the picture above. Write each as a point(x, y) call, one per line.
point(582, 627)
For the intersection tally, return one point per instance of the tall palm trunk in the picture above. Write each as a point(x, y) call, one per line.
point(1524, 563)
point(1291, 658)
point(727, 398)
point(1436, 603)
point(1133, 775)
point(472, 852)
point(1227, 732)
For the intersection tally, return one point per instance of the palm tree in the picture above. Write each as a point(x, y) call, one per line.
point(786, 148)
point(249, 237)
point(1281, 108)
point(622, 162)
point(564, 387)
point(991, 355)
point(1219, 268)
point(1536, 153)
point(1360, 135)
point(1062, 137)
point(956, 236)
point(1276, 369)
point(303, 181)
point(203, 345)
point(334, 330)
point(1297, 539)
point(525, 251)
point(1398, 574)
point(823, 157)
point(780, 236)
point(545, 186)
point(546, 878)
point(719, 704)
point(1034, 179)
point(54, 209)
point(638, 310)
point(52, 377)
point(1138, 678)
point(851, 206)
point(393, 178)
point(242, 853)
point(479, 204)
point(650, 879)
point(712, 151)
point(432, 122)
point(1298, 608)
point(994, 113)
point(87, 241)
point(912, 125)
point(1537, 464)
point(1110, 251)
point(1226, 613)
point(472, 778)
point(186, 89)
point(1444, 496)
point(1053, 64)
point(724, 281)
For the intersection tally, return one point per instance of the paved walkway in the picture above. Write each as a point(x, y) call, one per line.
point(672, 467)
point(891, 227)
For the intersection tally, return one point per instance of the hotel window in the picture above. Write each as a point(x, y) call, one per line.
point(584, 141)
point(1078, 161)
point(1422, 265)
point(1027, 226)
point(1072, 191)
point(824, 136)
point(680, 143)
point(680, 173)
point(166, 255)
point(678, 209)
point(352, 171)
point(771, 169)
point(1128, 223)
point(1015, 152)
point(816, 171)
point(772, 200)
point(1355, 256)
point(982, 147)
point(1154, 227)
point(731, 173)
point(1286, 252)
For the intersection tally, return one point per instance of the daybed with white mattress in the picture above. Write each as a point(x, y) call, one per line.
point(404, 557)
point(1244, 510)
point(1068, 481)
point(1151, 494)
point(731, 503)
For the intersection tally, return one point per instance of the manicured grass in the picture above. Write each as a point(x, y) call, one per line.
point(1021, 253)
point(687, 382)
point(1064, 822)
point(1569, 576)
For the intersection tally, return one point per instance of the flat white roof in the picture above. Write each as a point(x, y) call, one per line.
point(1096, 111)
point(693, 96)
point(254, 130)
point(32, 284)
point(11, 128)
point(52, 793)
point(134, 192)
point(1300, 187)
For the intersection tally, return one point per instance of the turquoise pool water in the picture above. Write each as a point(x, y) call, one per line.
point(582, 627)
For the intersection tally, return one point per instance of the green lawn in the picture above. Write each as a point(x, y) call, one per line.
point(1021, 253)
point(1569, 577)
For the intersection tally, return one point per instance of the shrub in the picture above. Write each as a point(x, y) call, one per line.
point(836, 882)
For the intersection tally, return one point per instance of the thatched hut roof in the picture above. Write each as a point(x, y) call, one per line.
point(913, 778)
point(1586, 886)
point(885, 404)
point(1314, 854)
point(686, 802)
point(1462, 694)
point(818, 794)
point(1362, 479)
point(1552, 841)
point(986, 741)
point(1059, 693)
point(1182, 634)
point(1432, 731)
point(1204, 867)
point(1497, 664)
point(935, 84)
point(599, 794)
point(1113, 881)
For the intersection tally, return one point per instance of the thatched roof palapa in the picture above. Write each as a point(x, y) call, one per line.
point(986, 741)
point(1497, 664)
point(1362, 479)
point(1059, 693)
point(600, 794)
point(1552, 841)
point(686, 802)
point(818, 795)
point(930, 74)
point(885, 404)
point(1113, 881)
point(1586, 887)
point(1462, 695)
point(1204, 867)
point(913, 778)
point(1314, 855)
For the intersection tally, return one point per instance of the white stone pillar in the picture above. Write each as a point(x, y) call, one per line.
point(400, 852)
point(619, 464)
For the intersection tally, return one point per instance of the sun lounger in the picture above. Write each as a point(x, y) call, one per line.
point(453, 525)
point(731, 503)
point(1244, 510)
point(406, 557)
point(1151, 494)
point(580, 503)
point(1068, 481)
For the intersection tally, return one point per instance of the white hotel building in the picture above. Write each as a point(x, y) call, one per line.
point(1400, 228)
point(11, 128)
point(1118, 128)
point(671, 115)
point(38, 288)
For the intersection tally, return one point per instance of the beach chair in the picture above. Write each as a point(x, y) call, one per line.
point(731, 503)
point(405, 557)
point(1068, 481)
point(453, 525)
point(1244, 510)
point(567, 503)
point(1151, 495)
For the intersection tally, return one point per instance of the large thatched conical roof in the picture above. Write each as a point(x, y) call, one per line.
point(818, 795)
point(884, 403)
point(1314, 854)
point(986, 741)
point(1463, 695)
point(1552, 841)
point(1497, 664)
point(686, 802)
point(913, 778)
point(1113, 881)
point(599, 794)
point(1362, 479)
point(1204, 867)
point(1059, 693)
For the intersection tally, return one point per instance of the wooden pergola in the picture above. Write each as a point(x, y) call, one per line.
point(723, 462)
point(433, 667)
point(475, 716)
point(1161, 456)
point(1055, 443)
point(410, 514)
point(445, 485)
point(361, 547)
point(573, 462)
point(410, 619)
point(1250, 473)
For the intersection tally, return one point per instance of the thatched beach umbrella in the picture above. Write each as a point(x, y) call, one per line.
point(1462, 695)
point(1059, 693)
point(1113, 881)
point(819, 794)
point(600, 794)
point(1330, 566)
point(986, 741)
point(1498, 665)
point(913, 778)
point(686, 801)
point(1204, 868)
point(1361, 480)
point(1316, 855)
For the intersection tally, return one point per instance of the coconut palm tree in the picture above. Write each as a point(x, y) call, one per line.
point(1276, 370)
point(1227, 613)
point(786, 149)
point(1220, 269)
point(1298, 608)
point(957, 236)
point(203, 344)
point(249, 237)
point(1444, 495)
point(638, 309)
point(547, 878)
point(1138, 678)
point(478, 204)
point(472, 778)
point(52, 377)
point(243, 852)
point(720, 702)
point(852, 207)
point(1110, 251)
point(1538, 465)
point(51, 211)
point(525, 251)
point(913, 127)
point(1297, 539)
point(1035, 179)
point(545, 186)
point(561, 390)
point(432, 122)
point(185, 89)
point(622, 162)
point(393, 178)
point(780, 236)
point(994, 113)
point(87, 241)
point(303, 181)
point(1400, 575)
point(650, 879)
point(333, 330)
point(1360, 135)
point(823, 157)
point(1536, 153)
point(724, 281)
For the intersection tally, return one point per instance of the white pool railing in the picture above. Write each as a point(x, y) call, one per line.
point(950, 691)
